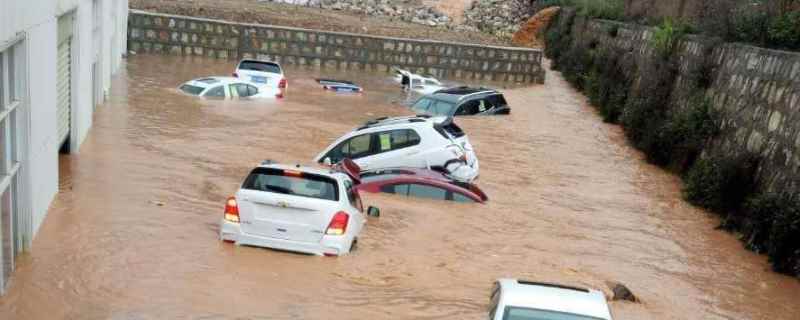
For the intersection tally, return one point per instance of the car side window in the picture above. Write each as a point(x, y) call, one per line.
point(401, 189)
point(497, 100)
point(468, 108)
point(397, 139)
point(240, 90)
point(457, 197)
point(218, 91)
point(353, 148)
point(251, 90)
point(425, 191)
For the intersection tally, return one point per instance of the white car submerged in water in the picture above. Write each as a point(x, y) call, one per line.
point(265, 73)
point(294, 208)
point(411, 142)
point(417, 83)
point(513, 299)
point(228, 88)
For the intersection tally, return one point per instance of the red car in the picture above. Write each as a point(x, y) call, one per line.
point(420, 183)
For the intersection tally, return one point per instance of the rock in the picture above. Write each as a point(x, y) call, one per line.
point(621, 292)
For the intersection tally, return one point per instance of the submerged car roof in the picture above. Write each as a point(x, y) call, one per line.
point(410, 120)
point(458, 94)
point(208, 82)
point(554, 297)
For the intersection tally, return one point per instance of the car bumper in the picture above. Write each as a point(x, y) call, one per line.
point(329, 245)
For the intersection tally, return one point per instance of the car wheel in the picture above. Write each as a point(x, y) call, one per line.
point(354, 245)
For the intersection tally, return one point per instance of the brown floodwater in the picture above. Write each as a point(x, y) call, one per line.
point(133, 232)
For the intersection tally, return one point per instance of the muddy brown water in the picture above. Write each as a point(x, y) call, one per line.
point(133, 232)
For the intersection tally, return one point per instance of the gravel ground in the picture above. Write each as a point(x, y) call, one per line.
point(252, 11)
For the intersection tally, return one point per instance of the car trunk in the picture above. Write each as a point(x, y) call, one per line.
point(283, 216)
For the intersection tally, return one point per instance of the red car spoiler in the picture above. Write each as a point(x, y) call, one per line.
point(349, 168)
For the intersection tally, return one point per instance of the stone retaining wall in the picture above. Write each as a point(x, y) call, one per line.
point(757, 91)
point(180, 35)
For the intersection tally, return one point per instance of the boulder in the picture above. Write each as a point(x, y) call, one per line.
point(621, 292)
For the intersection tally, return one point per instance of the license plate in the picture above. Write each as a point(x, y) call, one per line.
point(258, 79)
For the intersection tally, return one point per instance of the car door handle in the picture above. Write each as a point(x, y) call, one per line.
point(412, 153)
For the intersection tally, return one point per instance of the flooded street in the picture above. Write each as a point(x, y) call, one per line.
point(133, 234)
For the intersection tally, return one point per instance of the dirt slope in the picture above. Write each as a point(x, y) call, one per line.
point(313, 18)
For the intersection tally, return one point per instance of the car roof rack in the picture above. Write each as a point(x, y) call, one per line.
point(267, 162)
point(552, 285)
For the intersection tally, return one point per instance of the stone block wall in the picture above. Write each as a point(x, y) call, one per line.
point(757, 91)
point(180, 35)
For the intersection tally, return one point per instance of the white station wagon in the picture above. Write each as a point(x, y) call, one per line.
point(513, 299)
point(410, 142)
point(228, 88)
point(294, 208)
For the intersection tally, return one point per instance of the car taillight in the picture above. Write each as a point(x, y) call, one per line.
point(232, 210)
point(282, 83)
point(338, 225)
point(235, 75)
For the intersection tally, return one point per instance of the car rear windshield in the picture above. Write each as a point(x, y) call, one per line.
point(292, 183)
point(517, 313)
point(449, 128)
point(190, 89)
point(260, 66)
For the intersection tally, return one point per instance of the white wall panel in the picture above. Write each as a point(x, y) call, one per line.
point(43, 138)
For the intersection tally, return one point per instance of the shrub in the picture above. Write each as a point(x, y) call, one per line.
point(784, 31)
point(598, 9)
point(748, 24)
point(645, 112)
point(720, 183)
point(772, 225)
point(666, 36)
point(606, 9)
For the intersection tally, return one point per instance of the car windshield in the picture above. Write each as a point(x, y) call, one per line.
point(260, 66)
point(422, 105)
point(518, 313)
point(190, 89)
point(292, 183)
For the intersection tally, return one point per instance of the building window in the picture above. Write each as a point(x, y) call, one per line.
point(11, 223)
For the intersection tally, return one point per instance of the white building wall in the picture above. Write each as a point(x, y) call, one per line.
point(35, 21)
point(43, 158)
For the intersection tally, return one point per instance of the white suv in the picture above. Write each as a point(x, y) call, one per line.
point(294, 208)
point(415, 142)
point(513, 299)
point(263, 73)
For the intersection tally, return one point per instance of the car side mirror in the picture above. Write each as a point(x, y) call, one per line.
point(373, 212)
point(327, 161)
